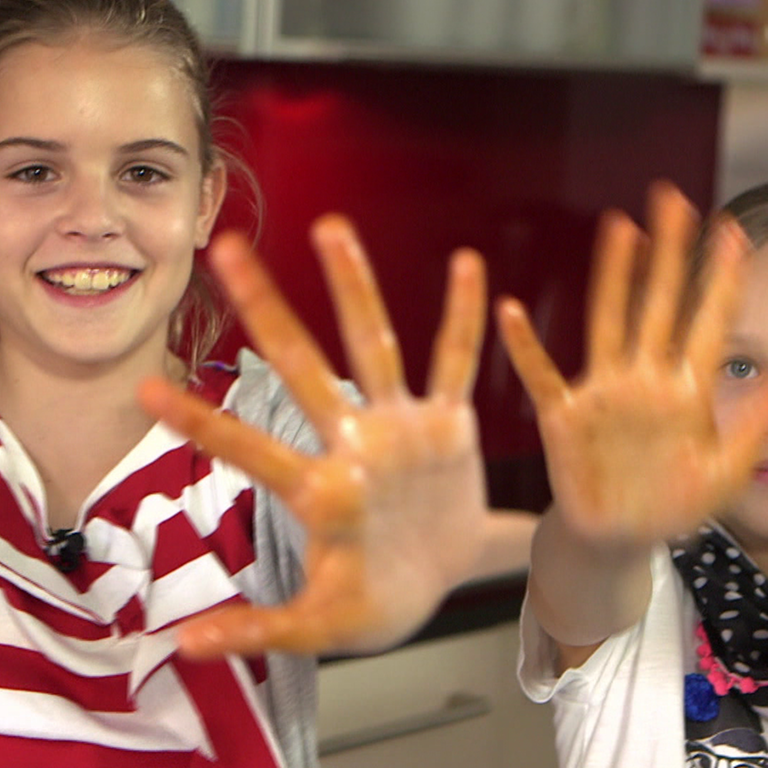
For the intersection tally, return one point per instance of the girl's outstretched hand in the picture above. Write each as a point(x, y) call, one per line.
point(395, 507)
point(634, 454)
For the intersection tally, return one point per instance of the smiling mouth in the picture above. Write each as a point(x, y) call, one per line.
point(87, 281)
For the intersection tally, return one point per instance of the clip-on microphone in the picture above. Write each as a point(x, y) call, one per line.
point(66, 549)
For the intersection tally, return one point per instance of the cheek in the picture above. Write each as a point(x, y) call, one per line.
point(733, 399)
point(726, 404)
point(169, 234)
point(25, 223)
point(169, 247)
point(20, 243)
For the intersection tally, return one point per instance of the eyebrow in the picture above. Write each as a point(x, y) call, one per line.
point(741, 339)
point(56, 146)
point(26, 141)
point(145, 144)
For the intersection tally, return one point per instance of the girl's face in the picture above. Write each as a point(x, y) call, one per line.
point(102, 203)
point(744, 369)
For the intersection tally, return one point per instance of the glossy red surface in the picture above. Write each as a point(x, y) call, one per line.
point(515, 164)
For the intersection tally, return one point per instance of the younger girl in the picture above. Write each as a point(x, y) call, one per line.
point(114, 528)
point(652, 642)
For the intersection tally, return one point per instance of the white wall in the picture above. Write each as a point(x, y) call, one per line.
point(743, 160)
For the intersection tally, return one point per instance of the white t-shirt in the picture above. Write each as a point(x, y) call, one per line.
point(623, 708)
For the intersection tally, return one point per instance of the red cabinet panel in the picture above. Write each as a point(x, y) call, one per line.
point(516, 164)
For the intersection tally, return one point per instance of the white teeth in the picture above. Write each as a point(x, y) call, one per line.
point(100, 281)
point(83, 281)
point(87, 280)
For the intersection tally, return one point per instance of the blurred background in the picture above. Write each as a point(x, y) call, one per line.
point(507, 125)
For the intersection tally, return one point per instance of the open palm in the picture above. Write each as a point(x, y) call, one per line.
point(394, 507)
point(633, 451)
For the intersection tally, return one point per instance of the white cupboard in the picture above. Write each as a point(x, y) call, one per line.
point(652, 34)
point(448, 703)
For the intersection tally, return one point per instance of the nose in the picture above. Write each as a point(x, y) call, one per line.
point(90, 210)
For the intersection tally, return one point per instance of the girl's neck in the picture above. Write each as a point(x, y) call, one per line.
point(30, 388)
point(76, 425)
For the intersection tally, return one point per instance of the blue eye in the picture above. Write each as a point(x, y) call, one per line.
point(740, 369)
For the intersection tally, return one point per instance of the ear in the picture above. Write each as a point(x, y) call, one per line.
point(214, 188)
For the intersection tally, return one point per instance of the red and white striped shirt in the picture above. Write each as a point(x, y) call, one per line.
point(89, 673)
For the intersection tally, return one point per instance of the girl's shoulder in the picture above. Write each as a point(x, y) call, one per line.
point(229, 385)
point(255, 393)
point(251, 390)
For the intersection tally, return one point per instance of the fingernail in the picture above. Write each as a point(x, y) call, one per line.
point(333, 229)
